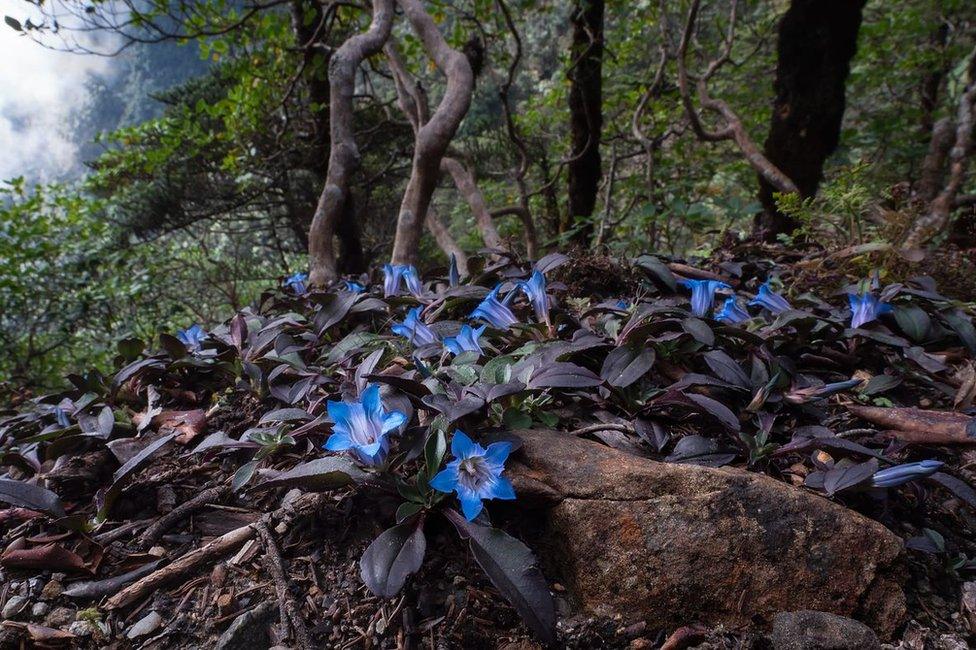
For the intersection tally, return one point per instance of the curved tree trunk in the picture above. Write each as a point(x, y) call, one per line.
point(586, 116)
point(343, 153)
point(434, 136)
point(468, 188)
point(817, 40)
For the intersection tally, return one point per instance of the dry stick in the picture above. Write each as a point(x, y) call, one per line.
point(215, 549)
point(287, 607)
point(185, 509)
point(918, 426)
point(607, 426)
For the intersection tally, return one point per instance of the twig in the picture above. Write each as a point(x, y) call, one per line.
point(607, 426)
point(287, 608)
point(164, 523)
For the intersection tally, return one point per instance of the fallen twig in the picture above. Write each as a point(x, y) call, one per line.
point(605, 426)
point(164, 523)
point(215, 549)
point(917, 426)
point(286, 604)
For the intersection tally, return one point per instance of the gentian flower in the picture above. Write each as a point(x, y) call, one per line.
point(535, 291)
point(391, 279)
point(453, 274)
point(393, 274)
point(731, 312)
point(412, 280)
point(495, 312)
point(769, 299)
point(192, 336)
point(901, 474)
point(466, 340)
point(414, 329)
point(297, 282)
point(623, 304)
point(475, 474)
point(363, 427)
point(703, 294)
point(866, 308)
point(354, 287)
point(814, 393)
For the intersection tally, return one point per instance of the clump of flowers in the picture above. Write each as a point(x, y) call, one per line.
point(466, 340)
point(363, 427)
point(496, 312)
point(414, 329)
point(397, 275)
point(475, 474)
point(703, 294)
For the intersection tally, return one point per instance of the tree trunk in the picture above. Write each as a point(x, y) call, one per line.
point(817, 40)
point(586, 117)
point(343, 153)
point(434, 136)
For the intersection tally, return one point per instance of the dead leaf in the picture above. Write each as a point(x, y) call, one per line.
point(186, 424)
point(51, 557)
point(966, 375)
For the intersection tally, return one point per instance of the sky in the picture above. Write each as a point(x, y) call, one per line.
point(41, 94)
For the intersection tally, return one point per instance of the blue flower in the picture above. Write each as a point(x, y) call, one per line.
point(866, 308)
point(495, 312)
point(475, 474)
point(769, 299)
point(354, 287)
point(623, 305)
point(814, 393)
point(395, 274)
point(466, 340)
point(731, 312)
point(901, 474)
point(192, 336)
point(363, 427)
point(535, 290)
point(703, 294)
point(297, 282)
point(453, 274)
point(414, 329)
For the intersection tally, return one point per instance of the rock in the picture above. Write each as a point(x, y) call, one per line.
point(39, 610)
point(249, 630)
point(80, 628)
point(145, 625)
point(951, 642)
point(13, 607)
point(59, 617)
point(808, 630)
point(52, 589)
point(967, 606)
point(676, 543)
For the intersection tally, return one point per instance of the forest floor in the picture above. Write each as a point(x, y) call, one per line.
point(203, 566)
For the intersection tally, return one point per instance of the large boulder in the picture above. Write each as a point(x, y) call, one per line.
point(676, 544)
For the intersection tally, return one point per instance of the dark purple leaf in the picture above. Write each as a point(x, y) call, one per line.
point(550, 262)
point(320, 474)
point(26, 495)
point(513, 570)
point(392, 557)
point(717, 410)
point(454, 409)
point(562, 374)
point(699, 450)
point(699, 330)
point(845, 476)
point(959, 488)
point(726, 369)
point(625, 365)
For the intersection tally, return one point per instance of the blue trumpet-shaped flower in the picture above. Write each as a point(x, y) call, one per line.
point(866, 308)
point(901, 474)
point(731, 312)
point(769, 299)
point(192, 336)
point(814, 393)
point(363, 427)
point(415, 330)
point(354, 287)
point(475, 474)
point(396, 274)
point(296, 282)
point(703, 294)
point(466, 340)
point(495, 312)
point(535, 290)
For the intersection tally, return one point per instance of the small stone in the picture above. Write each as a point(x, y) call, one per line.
point(809, 630)
point(558, 587)
point(145, 625)
point(52, 589)
point(80, 628)
point(13, 607)
point(951, 642)
point(249, 630)
point(59, 617)
point(641, 644)
point(39, 610)
point(34, 587)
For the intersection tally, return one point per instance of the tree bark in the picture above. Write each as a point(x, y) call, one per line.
point(343, 153)
point(434, 136)
point(445, 241)
point(586, 117)
point(468, 188)
point(817, 40)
